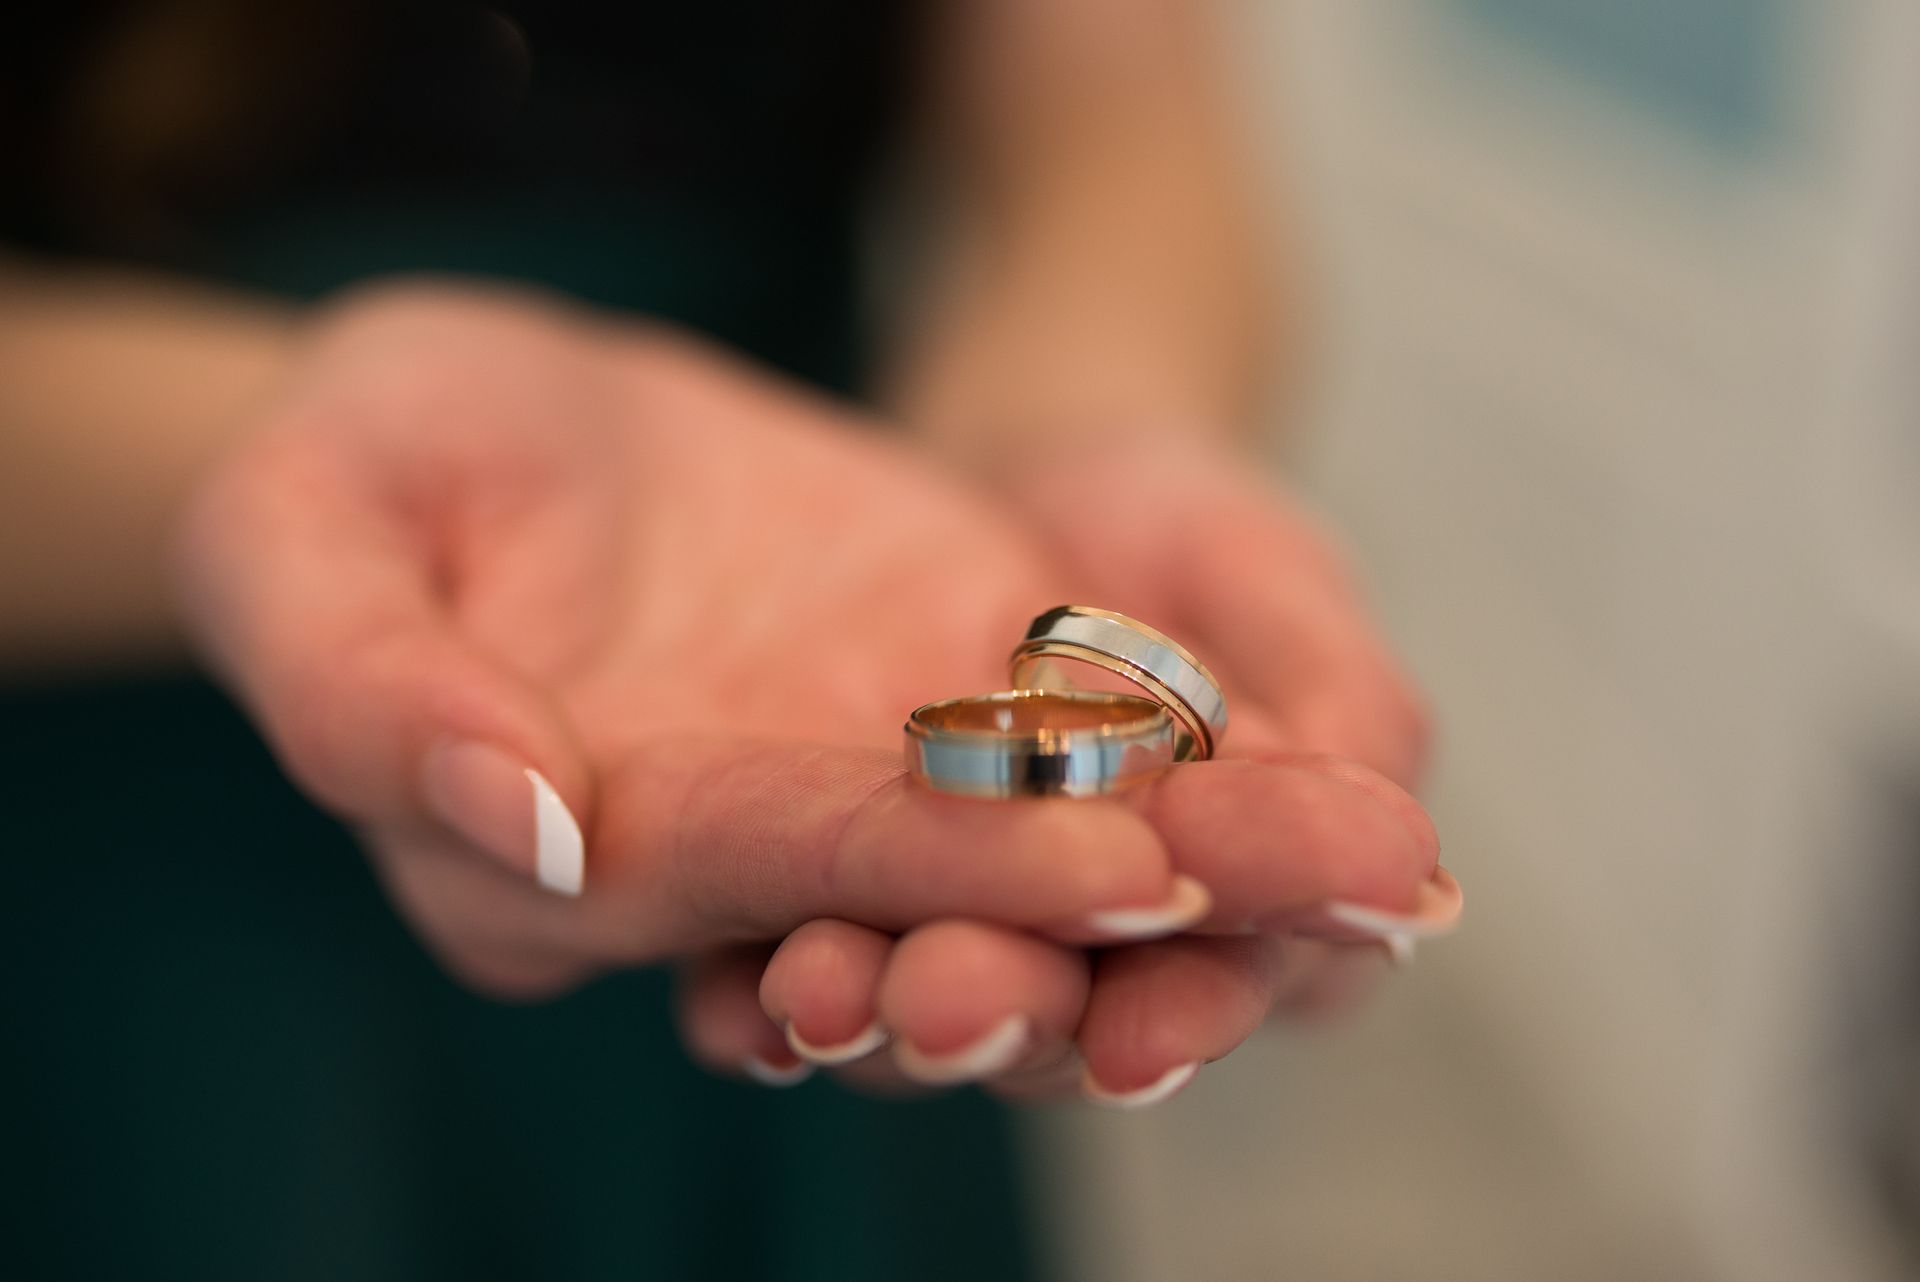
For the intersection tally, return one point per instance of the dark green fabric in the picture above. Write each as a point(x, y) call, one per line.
point(772, 279)
point(227, 1059)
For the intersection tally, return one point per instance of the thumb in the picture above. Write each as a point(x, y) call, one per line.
point(315, 600)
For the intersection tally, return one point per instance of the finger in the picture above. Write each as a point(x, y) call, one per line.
point(877, 1075)
point(722, 1024)
point(822, 988)
point(1160, 1010)
point(1436, 912)
point(315, 598)
point(1320, 678)
point(706, 841)
point(1342, 977)
point(826, 976)
point(1274, 841)
point(768, 837)
point(1311, 982)
point(471, 915)
point(1057, 1081)
point(969, 1001)
point(1281, 620)
point(701, 841)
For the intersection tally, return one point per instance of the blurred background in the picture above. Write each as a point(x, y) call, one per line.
point(1611, 381)
point(1614, 389)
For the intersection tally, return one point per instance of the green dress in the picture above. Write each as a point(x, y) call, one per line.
point(225, 1055)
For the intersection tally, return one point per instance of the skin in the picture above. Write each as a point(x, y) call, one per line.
point(1229, 568)
point(415, 546)
point(692, 595)
point(1095, 335)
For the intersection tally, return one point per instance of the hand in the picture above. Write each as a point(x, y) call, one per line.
point(480, 536)
point(1184, 539)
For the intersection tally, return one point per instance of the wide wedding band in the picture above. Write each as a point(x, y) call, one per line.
point(1039, 743)
point(1131, 650)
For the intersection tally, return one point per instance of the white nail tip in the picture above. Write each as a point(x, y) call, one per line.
point(1188, 903)
point(864, 1043)
point(1389, 926)
point(560, 859)
point(1166, 1085)
point(771, 1075)
point(991, 1054)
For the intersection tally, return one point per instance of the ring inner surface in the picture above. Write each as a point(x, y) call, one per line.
point(1041, 714)
point(1095, 670)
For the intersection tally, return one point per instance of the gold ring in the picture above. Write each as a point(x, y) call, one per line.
point(1134, 652)
point(1052, 736)
point(1039, 743)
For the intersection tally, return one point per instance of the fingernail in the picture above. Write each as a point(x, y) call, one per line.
point(1381, 927)
point(778, 1076)
point(507, 809)
point(1342, 979)
point(993, 1053)
point(1188, 903)
point(1435, 913)
point(1163, 1087)
point(859, 1046)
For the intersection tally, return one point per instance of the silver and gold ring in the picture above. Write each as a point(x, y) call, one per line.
point(1051, 736)
point(1134, 652)
point(1027, 743)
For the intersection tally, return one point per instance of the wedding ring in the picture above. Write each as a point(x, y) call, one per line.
point(1031, 743)
point(1054, 736)
point(1134, 652)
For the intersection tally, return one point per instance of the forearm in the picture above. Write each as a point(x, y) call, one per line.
point(116, 392)
point(1105, 267)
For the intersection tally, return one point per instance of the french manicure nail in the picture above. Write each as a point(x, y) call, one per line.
point(859, 1046)
point(1435, 913)
point(1163, 1087)
point(992, 1053)
point(507, 809)
point(1188, 903)
point(777, 1076)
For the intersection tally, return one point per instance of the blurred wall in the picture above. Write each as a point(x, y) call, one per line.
point(1615, 391)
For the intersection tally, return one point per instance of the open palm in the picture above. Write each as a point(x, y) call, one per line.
point(697, 604)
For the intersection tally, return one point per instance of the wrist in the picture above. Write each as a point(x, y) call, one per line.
point(131, 388)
